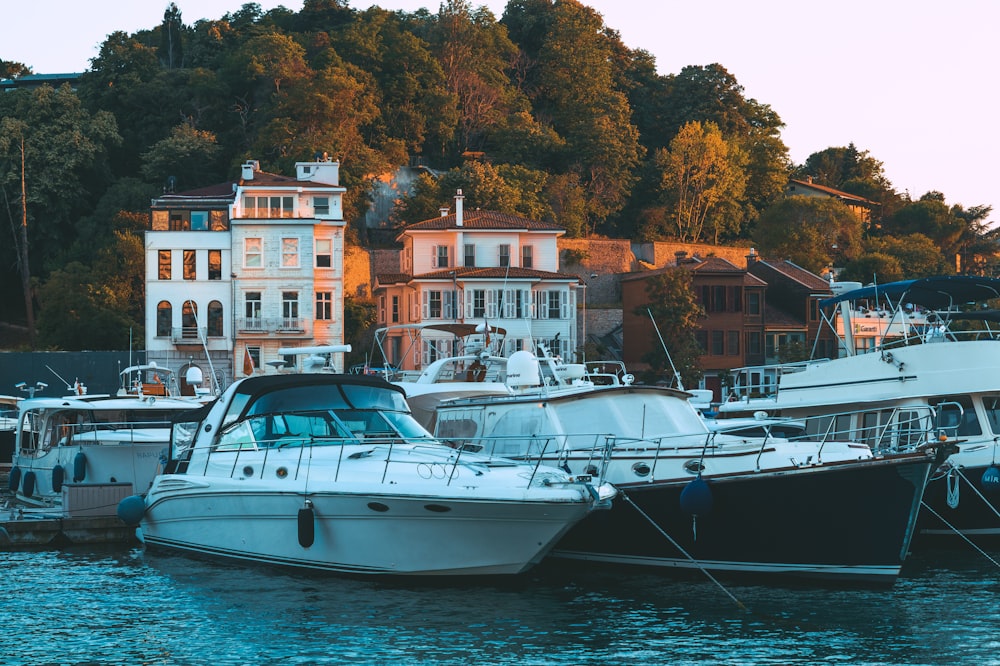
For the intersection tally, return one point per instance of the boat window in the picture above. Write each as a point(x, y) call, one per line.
point(365, 423)
point(182, 439)
point(963, 422)
point(406, 425)
point(237, 437)
point(375, 397)
point(991, 405)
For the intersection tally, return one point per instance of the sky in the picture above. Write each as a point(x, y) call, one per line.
point(909, 81)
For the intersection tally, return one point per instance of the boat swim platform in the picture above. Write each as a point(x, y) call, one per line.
point(88, 517)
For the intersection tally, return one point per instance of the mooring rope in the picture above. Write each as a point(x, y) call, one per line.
point(684, 552)
point(975, 490)
point(959, 533)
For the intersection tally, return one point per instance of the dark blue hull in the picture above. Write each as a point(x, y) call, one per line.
point(849, 522)
point(960, 504)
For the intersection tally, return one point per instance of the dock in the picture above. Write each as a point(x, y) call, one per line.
point(88, 517)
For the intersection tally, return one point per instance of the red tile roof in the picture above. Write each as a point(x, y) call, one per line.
point(854, 198)
point(483, 219)
point(798, 274)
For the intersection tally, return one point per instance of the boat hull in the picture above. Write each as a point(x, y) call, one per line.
point(789, 524)
point(357, 532)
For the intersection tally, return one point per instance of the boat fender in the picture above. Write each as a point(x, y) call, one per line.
point(131, 509)
point(991, 479)
point(28, 485)
point(58, 475)
point(79, 467)
point(696, 498)
point(307, 525)
point(14, 480)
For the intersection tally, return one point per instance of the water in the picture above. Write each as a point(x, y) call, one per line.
point(134, 607)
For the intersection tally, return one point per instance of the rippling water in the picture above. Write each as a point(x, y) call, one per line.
point(132, 607)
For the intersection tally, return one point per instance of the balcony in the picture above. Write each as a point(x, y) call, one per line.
point(187, 335)
point(270, 325)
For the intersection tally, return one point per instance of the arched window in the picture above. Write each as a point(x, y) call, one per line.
point(164, 318)
point(215, 319)
point(189, 320)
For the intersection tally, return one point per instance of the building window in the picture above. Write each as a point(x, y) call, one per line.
point(289, 252)
point(164, 319)
point(395, 309)
point(289, 309)
point(718, 338)
point(324, 305)
point(252, 310)
point(164, 264)
point(268, 207)
point(441, 256)
point(553, 305)
point(190, 265)
point(753, 343)
point(199, 220)
point(527, 259)
point(701, 337)
point(753, 303)
point(321, 206)
point(504, 256)
point(180, 220)
point(470, 255)
point(215, 264)
point(434, 304)
point(478, 303)
point(732, 343)
point(253, 253)
point(324, 253)
point(215, 319)
point(189, 320)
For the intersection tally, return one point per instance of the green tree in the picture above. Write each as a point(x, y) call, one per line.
point(188, 155)
point(813, 232)
point(702, 180)
point(871, 267)
point(674, 307)
point(171, 41)
point(73, 313)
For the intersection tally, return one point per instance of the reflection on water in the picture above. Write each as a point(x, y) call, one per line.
point(152, 608)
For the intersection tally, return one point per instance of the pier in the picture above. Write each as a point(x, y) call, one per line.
point(87, 517)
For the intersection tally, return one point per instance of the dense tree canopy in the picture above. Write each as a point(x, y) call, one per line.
point(543, 112)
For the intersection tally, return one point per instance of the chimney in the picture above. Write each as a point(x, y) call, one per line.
point(458, 207)
point(249, 167)
point(680, 256)
point(809, 179)
point(751, 257)
point(444, 211)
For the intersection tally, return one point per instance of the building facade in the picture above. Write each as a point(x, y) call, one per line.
point(237, 271)
point(477, 267)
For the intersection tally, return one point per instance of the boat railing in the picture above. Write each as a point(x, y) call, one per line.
point(440, 460)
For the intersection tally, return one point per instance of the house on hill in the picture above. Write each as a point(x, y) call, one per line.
point(861, 207)
point(476, 267)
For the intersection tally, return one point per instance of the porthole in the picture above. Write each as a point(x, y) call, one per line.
point(378, 506)
point(694, 467)
point(248, 471)
point(437, 508)
point(281, 472)
point(641, 469)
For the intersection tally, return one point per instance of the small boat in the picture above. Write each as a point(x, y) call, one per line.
point(817, 506)
point(920, 343)
point(89, 439)
point(8, 424)
point(330, 472)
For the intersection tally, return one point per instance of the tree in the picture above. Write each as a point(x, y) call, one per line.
point(171, 47)
point(189, 155)
point(74, 315)
point(702, 179)
point(674, 307)
point(813, 232)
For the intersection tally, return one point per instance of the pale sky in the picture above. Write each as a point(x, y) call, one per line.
point(913, 82)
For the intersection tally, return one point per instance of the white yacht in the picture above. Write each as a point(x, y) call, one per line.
point(906, 345)
point(89, 439)
point(331, 472)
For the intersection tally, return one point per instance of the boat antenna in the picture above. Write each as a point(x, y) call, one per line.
point(680, 385)
point(69, 387)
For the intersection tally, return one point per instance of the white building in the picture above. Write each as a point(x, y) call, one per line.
point(238, 270)
point(478, 267)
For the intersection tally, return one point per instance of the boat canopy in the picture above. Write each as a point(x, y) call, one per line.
point(929, 292)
